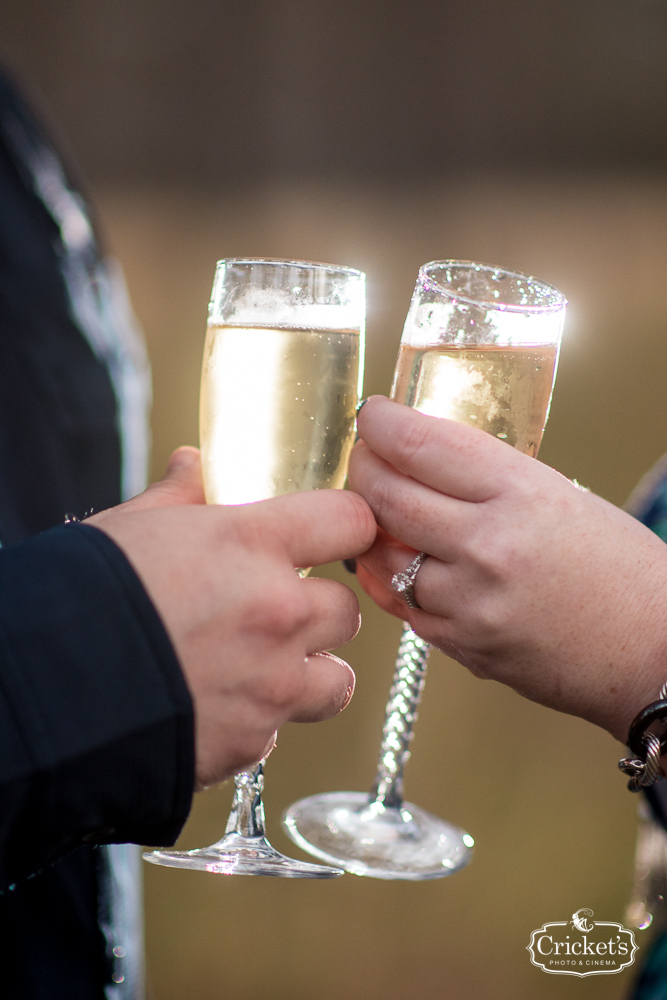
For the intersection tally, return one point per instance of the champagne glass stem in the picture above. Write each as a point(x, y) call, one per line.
point(400, 718)
point(244, 849)
point(379, 834)
point(246, 817)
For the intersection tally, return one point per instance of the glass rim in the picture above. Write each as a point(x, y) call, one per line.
point(312, 265)
point(557, 305)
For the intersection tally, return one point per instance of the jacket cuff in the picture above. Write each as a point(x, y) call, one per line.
point(96, 720)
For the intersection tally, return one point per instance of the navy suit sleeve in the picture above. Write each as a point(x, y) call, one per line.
point(96, 721)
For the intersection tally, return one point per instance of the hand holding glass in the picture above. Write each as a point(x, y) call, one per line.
point(281, 377)
point(480, 345)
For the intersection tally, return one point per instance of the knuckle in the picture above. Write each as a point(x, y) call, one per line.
point(282, 690)
point(491, 559)
point(277, 611)
point(283, 612)
point(491, 621)
point(493, 554)
point(378, 496)
point(412, 437)
point(249, 530)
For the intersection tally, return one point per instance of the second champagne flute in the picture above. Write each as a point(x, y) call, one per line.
point(281, 378)
point(480, 345)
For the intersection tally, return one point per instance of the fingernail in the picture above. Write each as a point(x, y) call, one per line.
point(271, 745)
point(348, 696)
point(350, 565)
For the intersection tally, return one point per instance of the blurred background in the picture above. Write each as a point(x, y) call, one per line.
point(379, 134)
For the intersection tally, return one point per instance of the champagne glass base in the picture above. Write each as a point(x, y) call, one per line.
point(368, 838)
point(237, 855)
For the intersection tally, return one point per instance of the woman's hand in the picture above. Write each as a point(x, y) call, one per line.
point(530, 580)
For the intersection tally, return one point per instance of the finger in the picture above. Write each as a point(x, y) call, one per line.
point(432, 587)
point(334, 614)
point(453, 458)
point(420, 516)
point(313, 527)
point(439, 630)
point(327, 689)
point(386, 557)
point(383, 596)
point(182, 483)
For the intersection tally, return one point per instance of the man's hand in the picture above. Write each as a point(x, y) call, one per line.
point(248, 632)
point(529, 580)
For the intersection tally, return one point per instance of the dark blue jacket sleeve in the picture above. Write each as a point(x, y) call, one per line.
point(96, 721)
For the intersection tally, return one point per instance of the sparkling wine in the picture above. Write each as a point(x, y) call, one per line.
point(277, 410)
point(505, 391)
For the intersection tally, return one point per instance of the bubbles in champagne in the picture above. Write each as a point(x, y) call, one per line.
point(505, 392)
point(277, 410)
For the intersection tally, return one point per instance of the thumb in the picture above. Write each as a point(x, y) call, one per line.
point(184, 467)
point(182, 483)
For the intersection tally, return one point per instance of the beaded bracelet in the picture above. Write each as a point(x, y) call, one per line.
point(644, 768)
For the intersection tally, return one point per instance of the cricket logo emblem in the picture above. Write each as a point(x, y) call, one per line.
point(579, 921)
point(582, 947)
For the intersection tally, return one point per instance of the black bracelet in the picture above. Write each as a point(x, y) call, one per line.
point(644, 768)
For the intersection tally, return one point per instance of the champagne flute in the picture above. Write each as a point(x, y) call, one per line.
point(480, 345)
point(281, 378)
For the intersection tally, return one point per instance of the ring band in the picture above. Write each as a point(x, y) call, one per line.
point(404, 583)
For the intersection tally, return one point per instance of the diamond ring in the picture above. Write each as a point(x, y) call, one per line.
point(404, 583)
